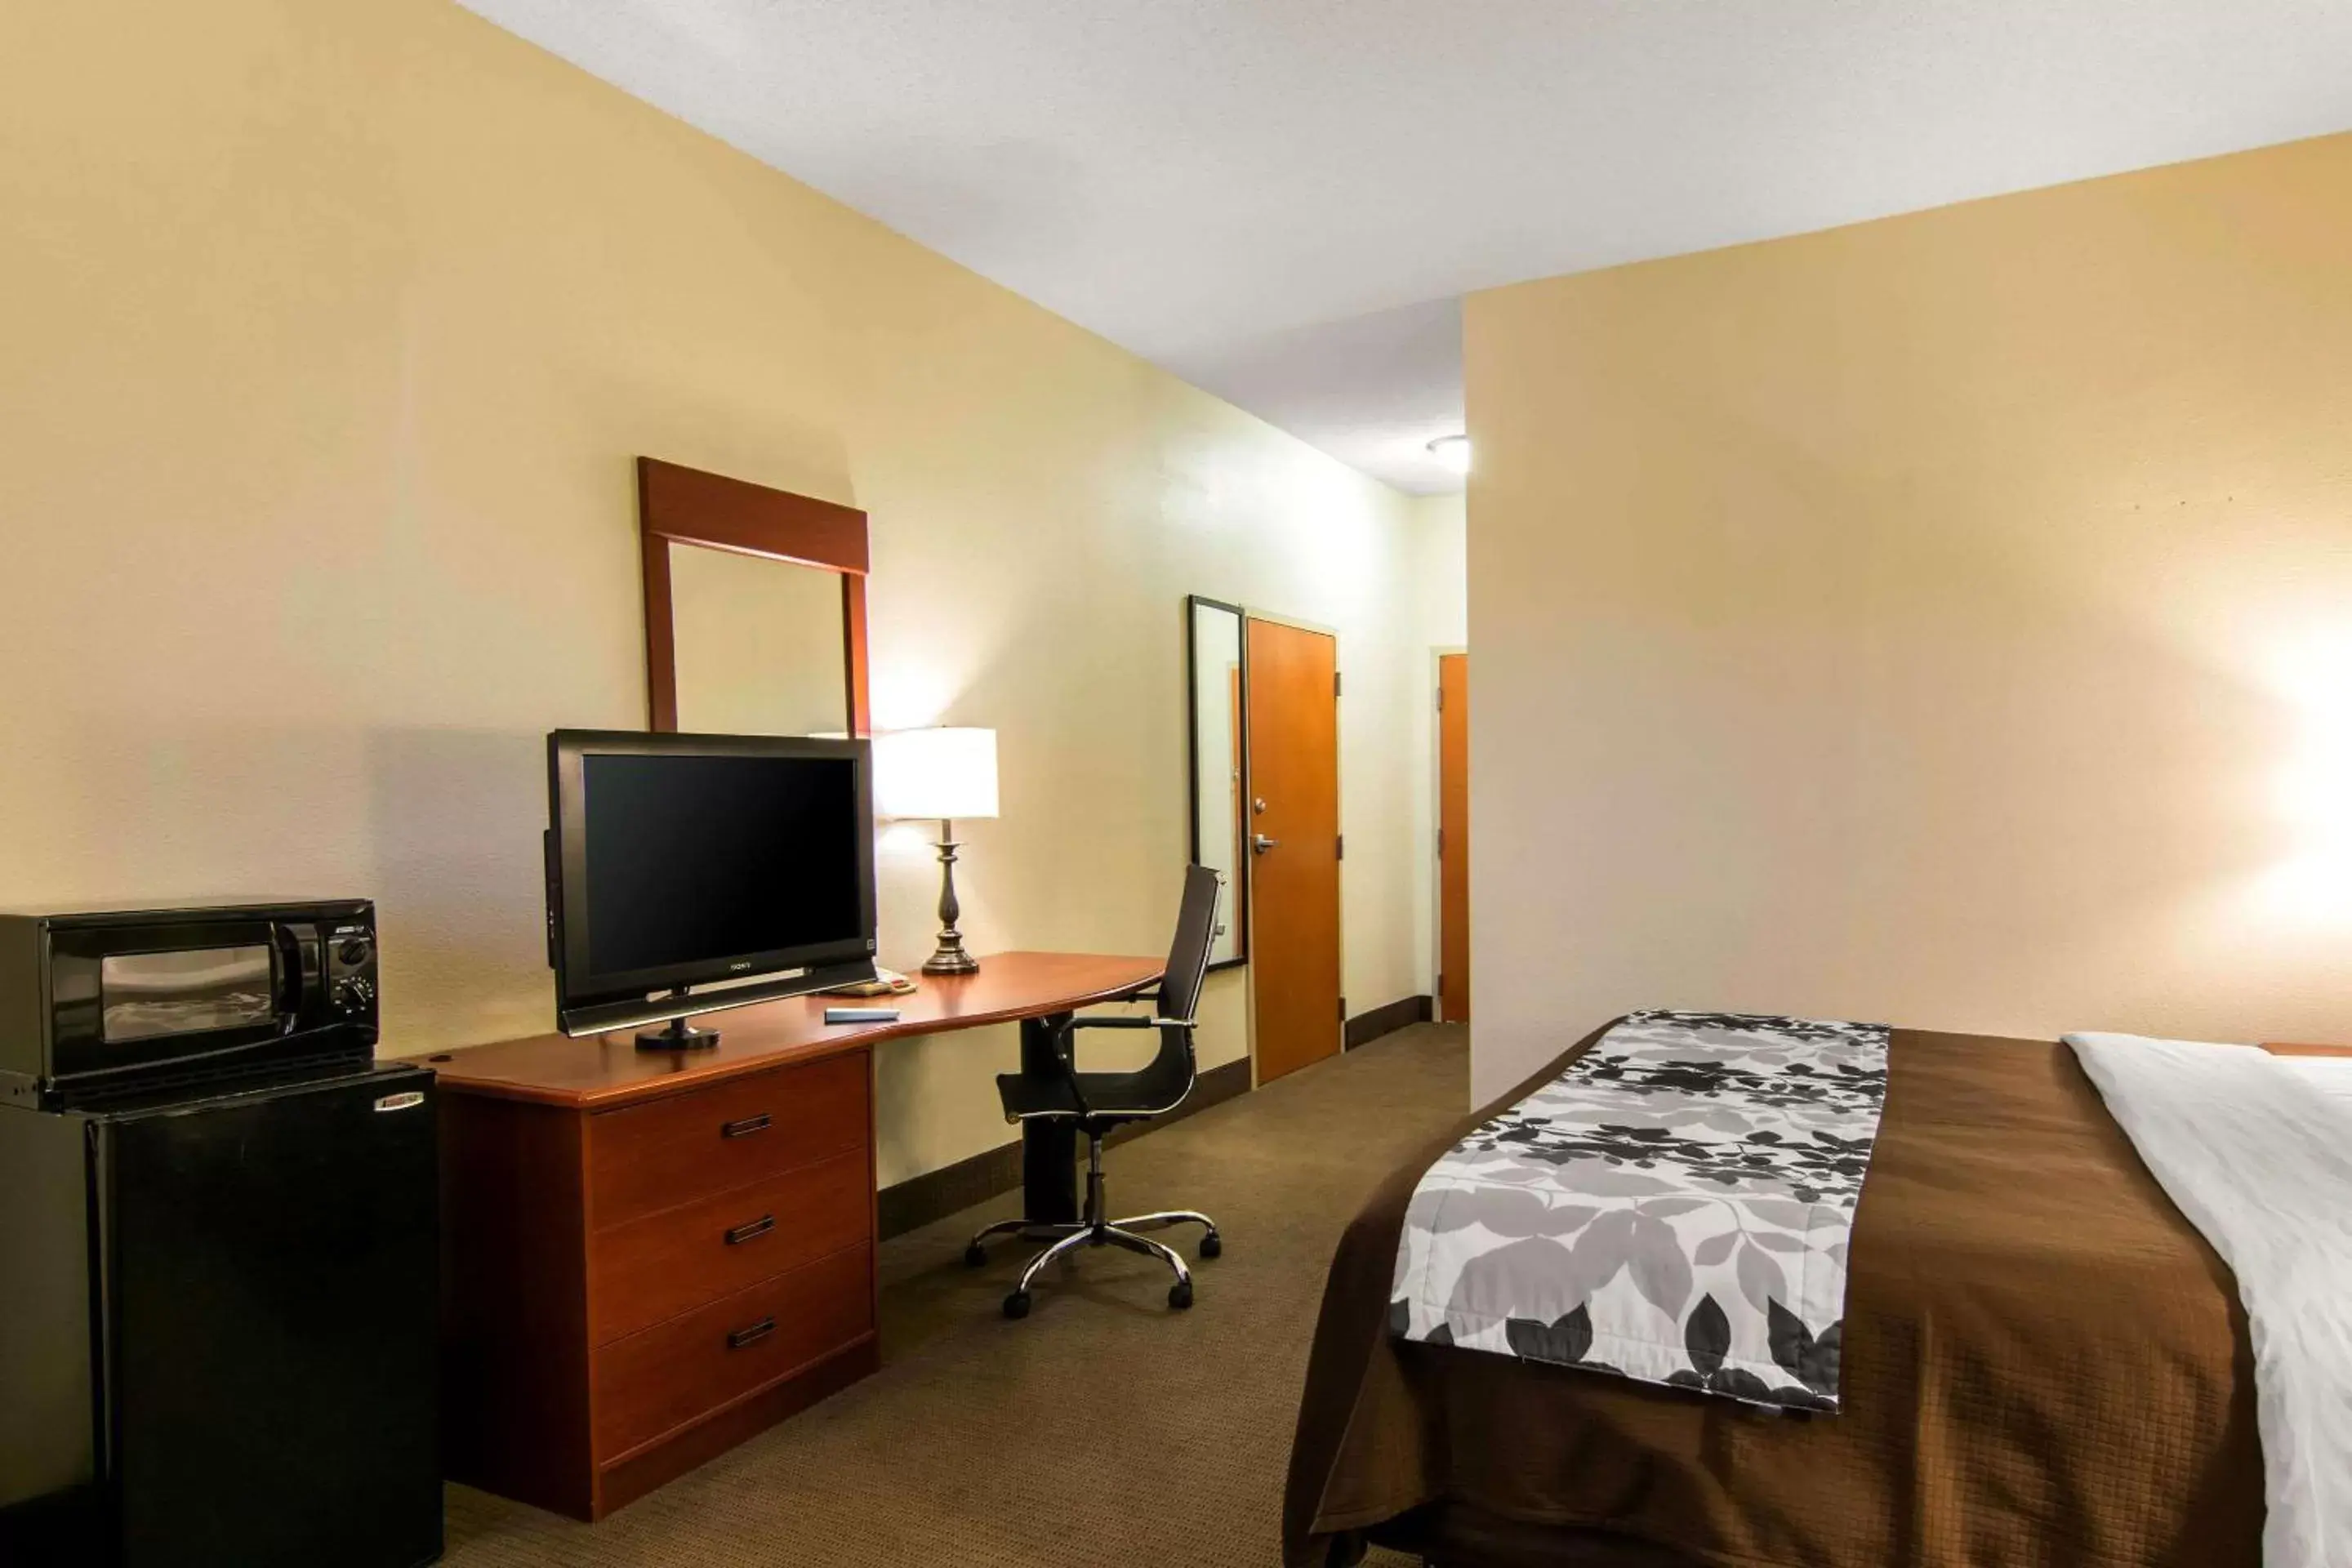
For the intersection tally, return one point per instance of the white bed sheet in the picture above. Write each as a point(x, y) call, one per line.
point(2262, 1165)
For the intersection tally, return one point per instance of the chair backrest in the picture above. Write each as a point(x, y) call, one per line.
point(1164, 1082)
point(1188, 955)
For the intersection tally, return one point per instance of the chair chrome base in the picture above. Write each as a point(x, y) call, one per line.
point(1093, 1230)
point(975, 1253)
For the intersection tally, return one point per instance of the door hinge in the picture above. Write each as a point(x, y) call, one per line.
point(1343, 1010)
point(1441, 844)
point(1441, 699)
point(1340, 847)
point(1335, 683)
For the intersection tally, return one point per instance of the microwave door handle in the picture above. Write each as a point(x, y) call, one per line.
point(290, 978)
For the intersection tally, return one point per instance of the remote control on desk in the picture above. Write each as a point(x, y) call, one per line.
point(861, 1015)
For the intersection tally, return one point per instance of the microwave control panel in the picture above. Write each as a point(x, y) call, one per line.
point(350, 969)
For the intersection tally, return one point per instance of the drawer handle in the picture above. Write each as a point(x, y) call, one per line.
point(753, 1335)
point(745, 1127)
point(751, 1232)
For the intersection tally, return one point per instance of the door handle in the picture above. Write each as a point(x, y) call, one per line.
point(1261, 844)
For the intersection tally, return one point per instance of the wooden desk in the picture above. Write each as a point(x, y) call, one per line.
point(651, 1256)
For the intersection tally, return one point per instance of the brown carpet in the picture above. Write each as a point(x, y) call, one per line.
point(1105, 1429)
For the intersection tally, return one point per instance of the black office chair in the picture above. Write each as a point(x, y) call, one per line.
point(1099, 1102)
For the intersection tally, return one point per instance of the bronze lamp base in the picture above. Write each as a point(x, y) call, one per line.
point(950, 958)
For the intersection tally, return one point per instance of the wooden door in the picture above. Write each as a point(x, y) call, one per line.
point(1453, 838)
point(1293, 772)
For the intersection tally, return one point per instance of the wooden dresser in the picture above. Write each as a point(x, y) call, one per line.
point(652, 1255)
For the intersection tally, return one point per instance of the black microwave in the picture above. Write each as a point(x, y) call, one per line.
point(101, 1001)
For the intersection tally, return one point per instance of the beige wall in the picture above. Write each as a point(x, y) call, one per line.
point(1946, 620)
point(331, 334)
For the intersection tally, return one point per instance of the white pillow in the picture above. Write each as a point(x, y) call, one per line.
point(2331, 1076)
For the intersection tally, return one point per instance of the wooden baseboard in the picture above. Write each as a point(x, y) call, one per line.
point(1365, 1027)
point(918, 1200)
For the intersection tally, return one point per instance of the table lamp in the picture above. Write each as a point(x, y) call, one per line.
point(938, 774)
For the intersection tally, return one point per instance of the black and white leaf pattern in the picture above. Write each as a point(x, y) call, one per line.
point(1812, 1362)
point(1715, 1248)
point(1564, 1341)
point(1600, 1251)
point(1760, 1276)
point(1674, 1207)
point(1780, 1212)
point(1707, 1336)
point(1661, 1270)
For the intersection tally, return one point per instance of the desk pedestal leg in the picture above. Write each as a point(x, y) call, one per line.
point(1049, 1150)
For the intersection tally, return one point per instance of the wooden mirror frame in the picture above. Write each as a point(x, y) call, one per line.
point(685, 505)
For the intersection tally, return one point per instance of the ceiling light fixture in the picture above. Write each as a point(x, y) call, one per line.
point(1453, 451)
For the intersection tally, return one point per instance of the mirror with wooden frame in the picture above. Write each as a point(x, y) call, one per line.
point(755, 606)
point(1217, 680)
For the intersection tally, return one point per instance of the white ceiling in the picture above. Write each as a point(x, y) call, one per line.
point(1284, 200)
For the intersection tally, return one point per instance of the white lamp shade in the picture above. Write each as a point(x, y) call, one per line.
point(935, 774)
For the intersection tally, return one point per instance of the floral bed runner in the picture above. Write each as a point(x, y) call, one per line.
point(1674, 1208)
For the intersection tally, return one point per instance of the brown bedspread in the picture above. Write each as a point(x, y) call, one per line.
point(2044, 1365)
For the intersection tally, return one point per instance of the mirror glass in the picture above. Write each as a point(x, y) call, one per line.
point(1220, 813)
point(760, 644)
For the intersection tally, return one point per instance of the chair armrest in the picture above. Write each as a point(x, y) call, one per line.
point(1063, 1046)
point(1066, 1043)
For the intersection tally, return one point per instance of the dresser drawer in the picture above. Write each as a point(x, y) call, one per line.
point(695, 1146)
point(665, 1264)
point(659, 1379)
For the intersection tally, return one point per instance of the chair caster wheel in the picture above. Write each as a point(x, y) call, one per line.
point(1017, 1305)
point(1179, 1295)
point(974, 1256)
point(1211, 1244)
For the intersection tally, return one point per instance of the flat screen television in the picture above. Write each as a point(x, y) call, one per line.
point(689, 873)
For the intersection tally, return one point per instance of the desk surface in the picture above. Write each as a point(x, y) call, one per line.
point(601, 1072)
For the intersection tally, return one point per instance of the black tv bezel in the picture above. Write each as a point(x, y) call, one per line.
point(596, 1002)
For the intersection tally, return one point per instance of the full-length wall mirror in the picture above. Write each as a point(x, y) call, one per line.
point(755, 606)
point(1218, 679)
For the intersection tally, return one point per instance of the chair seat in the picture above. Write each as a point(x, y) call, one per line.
point(1111, 1097)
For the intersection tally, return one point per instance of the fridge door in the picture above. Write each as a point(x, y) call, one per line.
point(272, 1376)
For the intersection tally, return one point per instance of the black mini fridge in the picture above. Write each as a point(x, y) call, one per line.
point(217, 1326)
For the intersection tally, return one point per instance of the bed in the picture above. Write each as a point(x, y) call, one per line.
point(2044, 1364)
